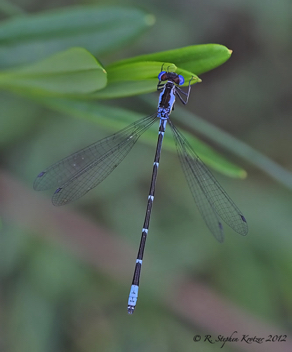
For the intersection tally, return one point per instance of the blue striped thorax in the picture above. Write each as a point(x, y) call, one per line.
point(166, 100)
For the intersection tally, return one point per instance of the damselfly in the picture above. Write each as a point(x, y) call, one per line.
point(80, 172)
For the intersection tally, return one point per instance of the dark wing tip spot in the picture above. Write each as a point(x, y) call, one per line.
point(37, 186)
point(243, 218)
point(58, 190)
point(41, 173)
point(244, 225)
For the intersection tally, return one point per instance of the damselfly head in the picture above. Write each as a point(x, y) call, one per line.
point(171, 76)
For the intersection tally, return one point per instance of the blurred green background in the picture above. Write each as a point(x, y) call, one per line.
point(66, 272)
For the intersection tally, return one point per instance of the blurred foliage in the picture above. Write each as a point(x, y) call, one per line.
point(54, 301)
point(97, 29)
point(75, 73)
point(68, 72)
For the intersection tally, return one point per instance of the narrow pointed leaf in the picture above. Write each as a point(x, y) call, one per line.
point(195, 58)
point(138, 75)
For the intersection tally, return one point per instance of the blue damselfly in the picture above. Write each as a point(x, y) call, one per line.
point(78, 173)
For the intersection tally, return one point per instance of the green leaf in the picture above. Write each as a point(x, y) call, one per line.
point(138, 75)
point(137, 78)
point(98, 29)
point(195, 58)
point(114, 119)
point(74, 71)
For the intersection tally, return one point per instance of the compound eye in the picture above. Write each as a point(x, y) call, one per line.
point(181, 80)
point(161, 76)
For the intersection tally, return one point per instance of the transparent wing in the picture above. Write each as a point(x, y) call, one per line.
point(213, 202)
point(78, 173)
